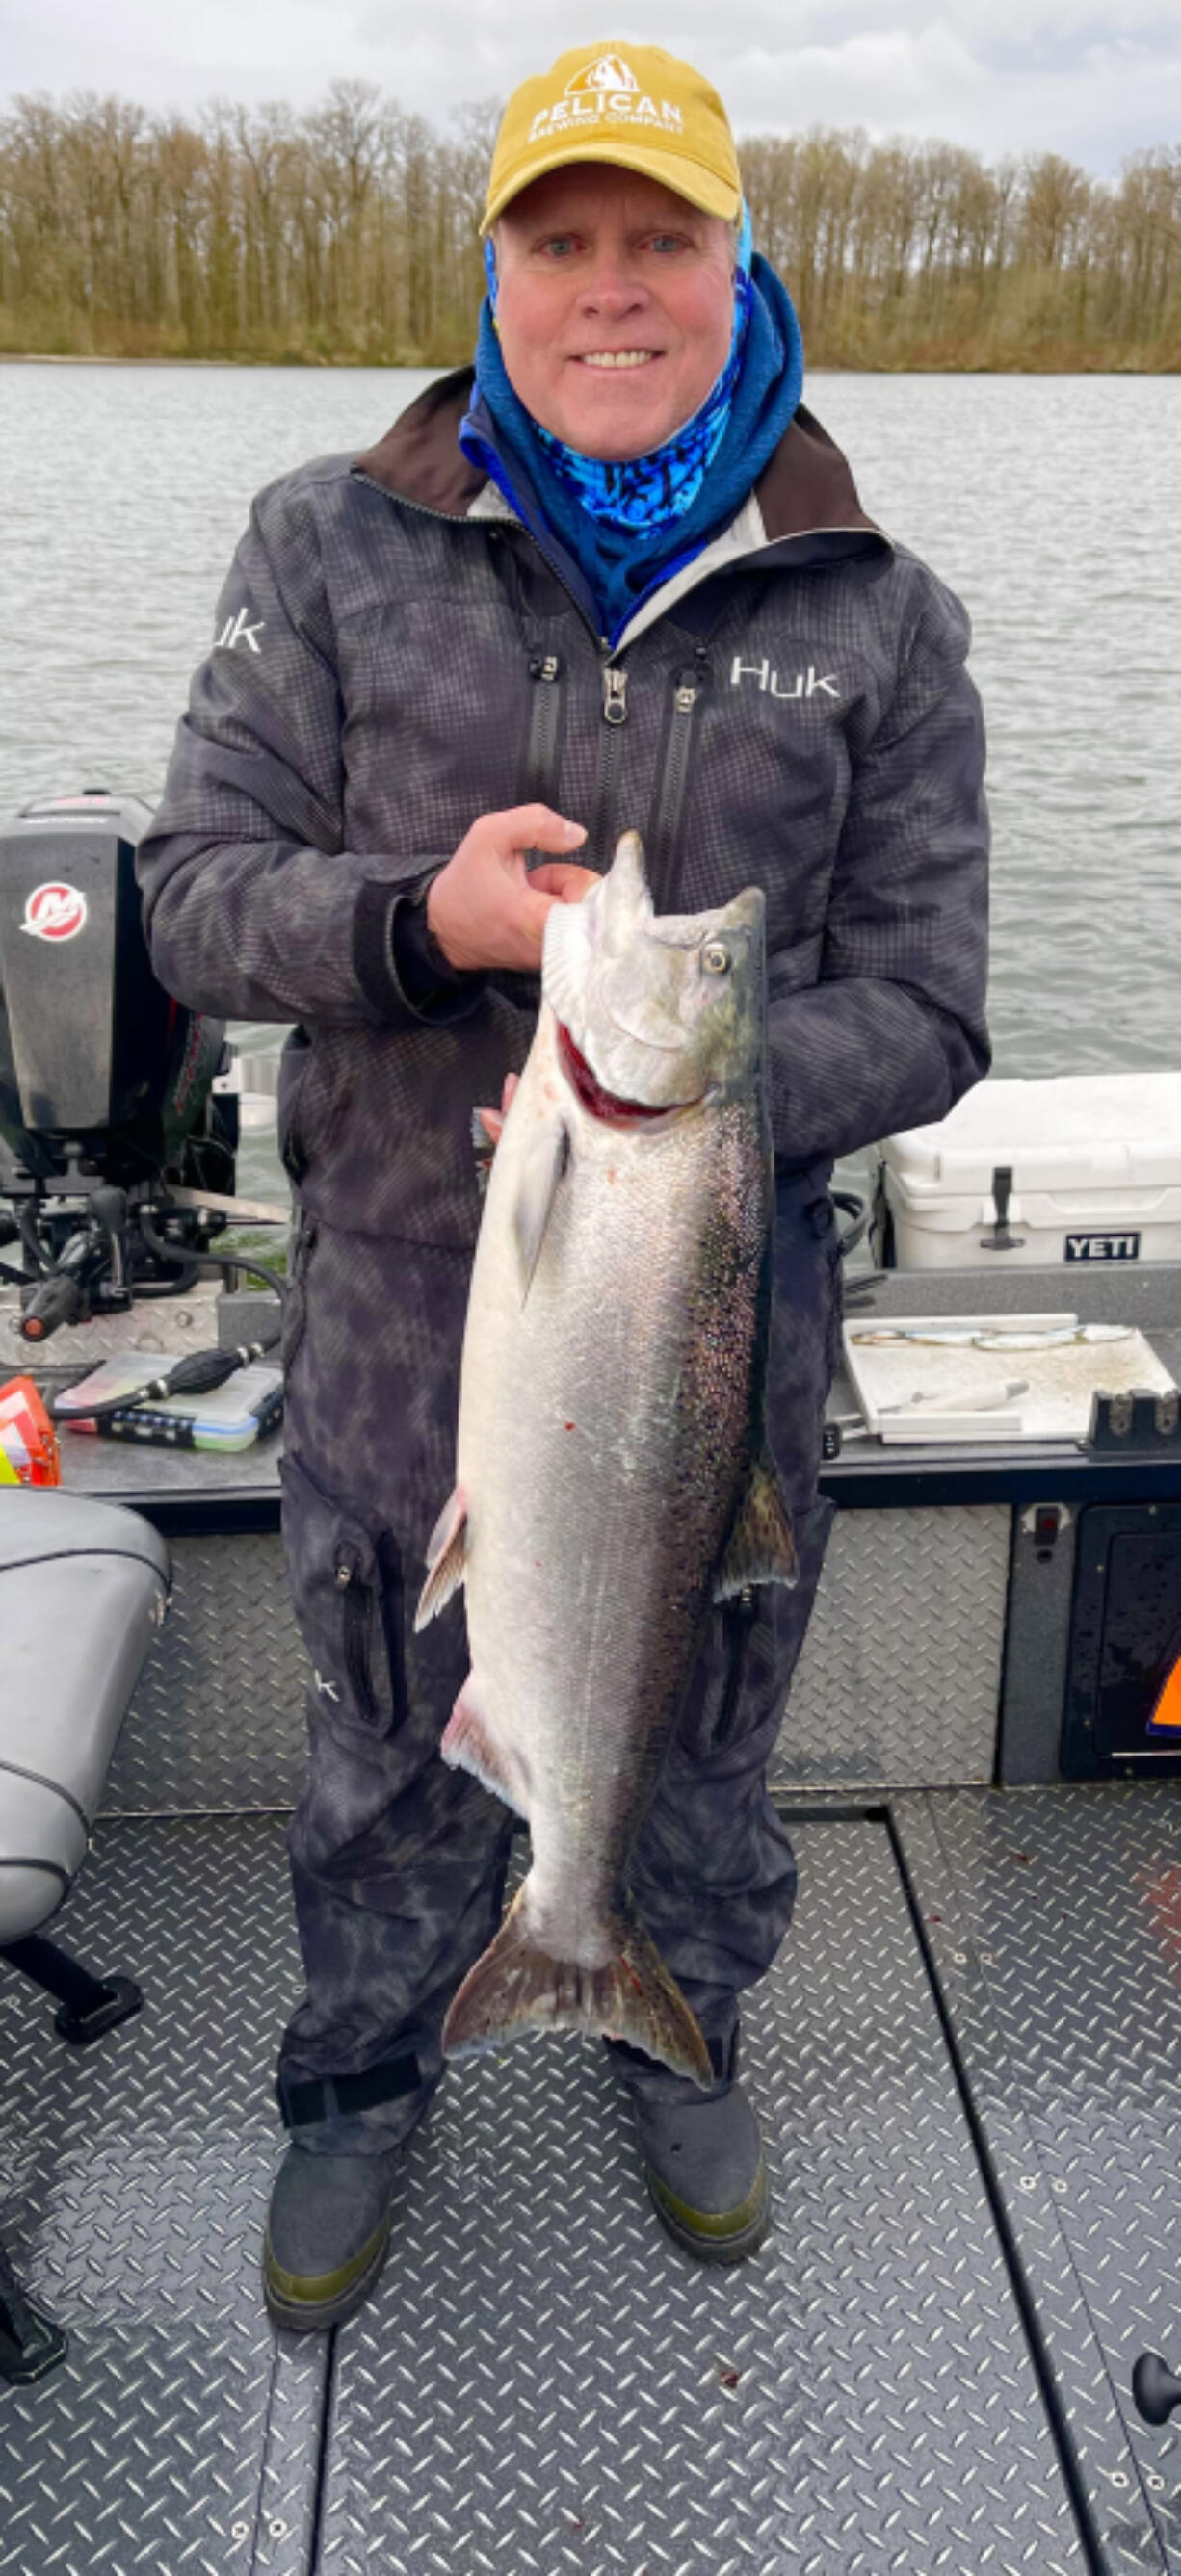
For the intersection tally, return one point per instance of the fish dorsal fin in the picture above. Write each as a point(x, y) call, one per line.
point(446, 1558)
point(625, 905)
point(761, 1548)
point(542, 1165)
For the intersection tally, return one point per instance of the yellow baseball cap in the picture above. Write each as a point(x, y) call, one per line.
point(631, 104)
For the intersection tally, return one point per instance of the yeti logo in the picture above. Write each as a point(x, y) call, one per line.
point(1103, 1247)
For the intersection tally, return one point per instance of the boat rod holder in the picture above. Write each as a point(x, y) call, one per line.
point(1146, 1420)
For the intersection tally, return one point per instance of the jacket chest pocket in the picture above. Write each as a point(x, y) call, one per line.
point(346, 1586)
point(754, 792)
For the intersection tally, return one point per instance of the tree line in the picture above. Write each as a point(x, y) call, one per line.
point(350, 234)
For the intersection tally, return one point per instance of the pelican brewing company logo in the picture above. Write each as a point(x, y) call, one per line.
point(605, 90)
point(55, 912)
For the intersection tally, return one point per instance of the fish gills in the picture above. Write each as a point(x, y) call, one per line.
point(517, 1986)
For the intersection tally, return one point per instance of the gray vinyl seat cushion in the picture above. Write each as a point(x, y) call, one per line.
point(82, 1590)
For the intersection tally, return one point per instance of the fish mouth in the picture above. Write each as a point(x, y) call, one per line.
point(607, 1105)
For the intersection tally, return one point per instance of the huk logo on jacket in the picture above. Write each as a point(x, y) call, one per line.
point(803, 684)
point(605, 89)
point(238, 630)
point(55, 912)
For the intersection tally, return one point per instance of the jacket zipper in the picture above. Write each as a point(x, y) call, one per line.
point(614, 718)
point(674, 777)
point(542, 761)
point(358, 1622)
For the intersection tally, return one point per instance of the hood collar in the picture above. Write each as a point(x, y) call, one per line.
point(805, 490)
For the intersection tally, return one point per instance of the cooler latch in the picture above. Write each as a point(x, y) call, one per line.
point(998, 1237)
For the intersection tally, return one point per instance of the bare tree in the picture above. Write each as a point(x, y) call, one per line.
point(352, 232)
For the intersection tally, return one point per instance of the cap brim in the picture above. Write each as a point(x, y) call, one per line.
point(701, 187)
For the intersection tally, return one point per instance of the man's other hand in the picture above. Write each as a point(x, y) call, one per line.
point(492, 1120)
point(486, 907)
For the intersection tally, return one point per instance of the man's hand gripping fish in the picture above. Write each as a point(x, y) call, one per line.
point(613, 1474)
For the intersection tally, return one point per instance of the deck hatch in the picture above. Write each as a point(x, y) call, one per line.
point(1122, 1712)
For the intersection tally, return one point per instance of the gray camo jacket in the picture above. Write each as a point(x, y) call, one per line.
point(395, 655)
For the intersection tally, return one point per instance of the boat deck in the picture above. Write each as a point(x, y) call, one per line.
point(968, 2061)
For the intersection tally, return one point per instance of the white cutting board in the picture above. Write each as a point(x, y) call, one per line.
point(960, 1382)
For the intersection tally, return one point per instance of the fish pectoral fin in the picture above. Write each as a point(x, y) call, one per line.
point(446, 1558)
point(761, 1547)
point(516, 1985)
point(544, 1162)
point(469, 1744)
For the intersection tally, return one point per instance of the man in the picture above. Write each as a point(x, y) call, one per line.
point(621, 578)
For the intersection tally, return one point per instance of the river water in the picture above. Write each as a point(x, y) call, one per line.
point(1052, 504)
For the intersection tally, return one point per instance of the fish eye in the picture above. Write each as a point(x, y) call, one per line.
point(714, 958)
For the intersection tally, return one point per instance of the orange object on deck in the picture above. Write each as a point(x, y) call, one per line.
point(1168, 1707)
point(29, 1453)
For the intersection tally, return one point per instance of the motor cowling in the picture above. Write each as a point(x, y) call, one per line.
point(94, 1054)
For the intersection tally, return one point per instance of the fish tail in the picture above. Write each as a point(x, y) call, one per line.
point(517, 1986)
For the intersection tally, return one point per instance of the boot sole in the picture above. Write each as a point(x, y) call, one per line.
point(314, 2316)
point(713, 2249)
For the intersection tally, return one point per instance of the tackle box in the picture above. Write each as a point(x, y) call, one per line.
point(1076, 1168)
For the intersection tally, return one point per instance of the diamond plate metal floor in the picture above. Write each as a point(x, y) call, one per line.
point(543, 2384)
point(1054, 1918)
point(178, 2435)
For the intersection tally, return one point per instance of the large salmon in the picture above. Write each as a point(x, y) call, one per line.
point(613, 1476)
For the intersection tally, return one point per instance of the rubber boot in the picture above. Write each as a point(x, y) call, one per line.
point(702, 2154)
point(327, 2235)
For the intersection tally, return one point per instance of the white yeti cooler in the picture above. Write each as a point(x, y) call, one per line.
point(1079, 1168)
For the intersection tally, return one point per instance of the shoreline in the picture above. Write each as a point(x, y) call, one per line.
point(440, 366)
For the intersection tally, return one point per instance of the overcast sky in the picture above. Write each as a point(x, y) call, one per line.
point(1093, 79)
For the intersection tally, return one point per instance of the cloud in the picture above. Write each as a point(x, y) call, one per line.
point(1093, 103)
point(997, 75)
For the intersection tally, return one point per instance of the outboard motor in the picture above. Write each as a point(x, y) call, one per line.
point(107, 1104)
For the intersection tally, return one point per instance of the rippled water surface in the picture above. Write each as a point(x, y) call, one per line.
point(1052, 504)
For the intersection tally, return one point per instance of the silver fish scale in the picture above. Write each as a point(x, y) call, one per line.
point(542, 2384)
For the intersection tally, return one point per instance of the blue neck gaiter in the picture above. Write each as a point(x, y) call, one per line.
point(626, 527)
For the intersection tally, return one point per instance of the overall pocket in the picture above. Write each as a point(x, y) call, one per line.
point(716, 1711)
point(805, 1325)
point(822, 1216)
point(346, 1587)
point(738, 1619)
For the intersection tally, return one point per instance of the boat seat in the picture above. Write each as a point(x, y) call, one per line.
point(82, 1591)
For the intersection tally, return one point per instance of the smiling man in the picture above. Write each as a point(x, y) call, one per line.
point(617, 576)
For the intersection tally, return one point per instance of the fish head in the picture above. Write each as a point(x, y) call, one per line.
point(666, 1010)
